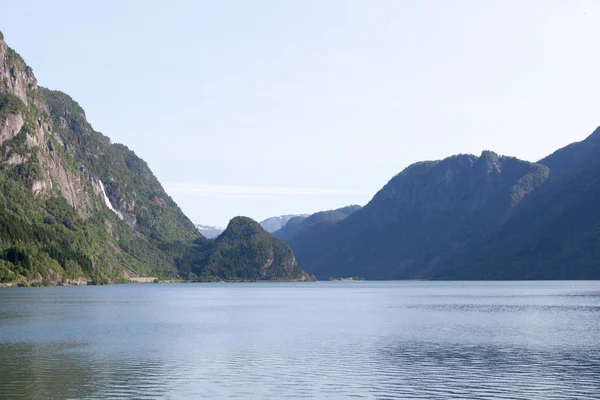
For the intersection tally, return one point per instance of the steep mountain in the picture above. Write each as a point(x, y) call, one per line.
point(274, 223)
point(244, 251)
point(468, 217)
point(299, 224)
point(424, 215)
point(209, 232)
point(554, 234)
point(73, 205)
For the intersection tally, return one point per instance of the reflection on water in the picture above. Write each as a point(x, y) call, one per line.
point(368, 340)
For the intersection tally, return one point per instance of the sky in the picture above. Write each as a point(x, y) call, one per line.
point(263, 107)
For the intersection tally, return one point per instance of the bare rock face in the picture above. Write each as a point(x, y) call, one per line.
point(11, 127)
point(17, 79)
point(16, 159)
point(71, 186)
point(39, 187)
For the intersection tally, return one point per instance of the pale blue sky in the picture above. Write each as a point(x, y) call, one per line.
point(262, 108)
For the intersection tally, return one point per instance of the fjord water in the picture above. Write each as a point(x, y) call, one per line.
point(373, 340)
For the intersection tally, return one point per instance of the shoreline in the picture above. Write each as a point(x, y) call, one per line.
point(137, 281)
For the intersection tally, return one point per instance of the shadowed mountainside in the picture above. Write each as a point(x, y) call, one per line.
point(468, 217)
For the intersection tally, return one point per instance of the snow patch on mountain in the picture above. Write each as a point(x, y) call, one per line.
point(208, 231)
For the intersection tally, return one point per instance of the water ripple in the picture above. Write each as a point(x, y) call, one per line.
point(330, 341)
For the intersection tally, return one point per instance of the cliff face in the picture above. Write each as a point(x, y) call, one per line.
point(76, 204)
point(15, 76)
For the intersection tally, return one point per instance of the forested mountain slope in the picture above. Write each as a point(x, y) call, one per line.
point(468, 217)
point(73, 205)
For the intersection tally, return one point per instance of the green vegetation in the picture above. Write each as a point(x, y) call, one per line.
point(468, 217)
point(42, 238)
point(423, 218)
point(10, 104)
point(14, 60)
point(244, 251)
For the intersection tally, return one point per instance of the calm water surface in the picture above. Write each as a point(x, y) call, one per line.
point(371, 340)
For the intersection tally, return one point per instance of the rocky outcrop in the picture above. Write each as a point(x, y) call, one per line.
point(10, 127)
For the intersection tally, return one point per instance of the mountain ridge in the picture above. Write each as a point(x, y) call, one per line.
point(301, 223)
point(275, 223)
point(464, 218)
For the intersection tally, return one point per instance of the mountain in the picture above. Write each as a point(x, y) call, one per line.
point(76, 207)
point(209, 232)
point(274, 223)
point(299, 224)
point(468, 217)
point(555, 233)
point(245, 251)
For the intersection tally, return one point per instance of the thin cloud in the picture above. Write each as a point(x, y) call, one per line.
point(208, 190)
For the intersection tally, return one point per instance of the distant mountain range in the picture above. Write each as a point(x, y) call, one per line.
point(302, 223)
point(209, 232)
point(469, 217)
point(275, 223)
point(286, 226)
point(270, 225)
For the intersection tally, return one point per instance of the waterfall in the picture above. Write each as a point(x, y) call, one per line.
point(107, 201)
